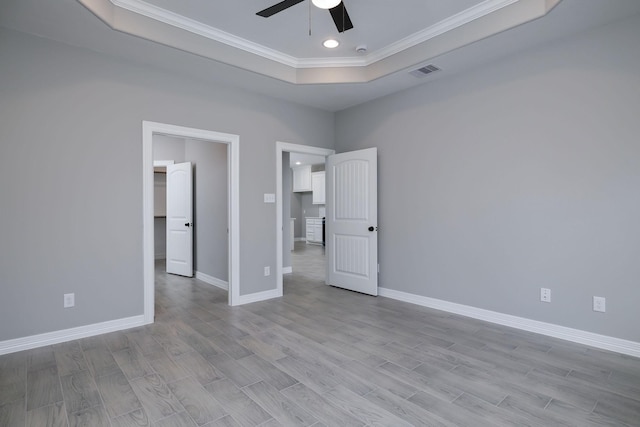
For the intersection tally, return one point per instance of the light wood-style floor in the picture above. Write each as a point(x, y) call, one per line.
point(319, 356)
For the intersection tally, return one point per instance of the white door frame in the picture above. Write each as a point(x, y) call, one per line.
point(233, 204)
point(291, 148)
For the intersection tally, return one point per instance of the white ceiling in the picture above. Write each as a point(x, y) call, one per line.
point(299, 159)
point(377, 23)
point(70, 22)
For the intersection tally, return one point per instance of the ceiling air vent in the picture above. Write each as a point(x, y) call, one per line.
point(427, 69)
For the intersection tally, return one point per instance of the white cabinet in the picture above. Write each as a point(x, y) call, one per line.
point(302, 178)
point(318, 187)
point(314, 230)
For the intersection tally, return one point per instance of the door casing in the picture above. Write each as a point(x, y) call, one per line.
point(233, 203)
point(291, 148)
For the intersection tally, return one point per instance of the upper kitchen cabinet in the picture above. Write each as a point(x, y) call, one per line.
point(302, 178)
point(318, 188)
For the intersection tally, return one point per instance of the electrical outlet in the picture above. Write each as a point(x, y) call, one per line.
point(599, 304)
point(69, 300)
point(267, 271)
point(545, 294)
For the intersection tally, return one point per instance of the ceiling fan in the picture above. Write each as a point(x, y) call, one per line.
point(336, 8)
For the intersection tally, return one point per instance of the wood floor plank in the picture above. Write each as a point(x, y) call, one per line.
point(404, 409)
point(43, 388)
point(268, 372)
point(178, 420)
point(279, 406)
point(199, 404)
point(619, 408)
point(240, 406)
point(231, 347)
point(132, 362)
point(137, 418)
point(361, 408)
point(92, 417)
point(51, 416)
point(199, 367)
point(13, 413)
point(101, 361)
point(41, 358)
point(320, 408)
point(156, 398)
point(117, 394)
point(80, 391)
point(231, 369)
point(70, 358)
point(168, 369)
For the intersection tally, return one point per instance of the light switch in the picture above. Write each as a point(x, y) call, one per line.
point(269, 198)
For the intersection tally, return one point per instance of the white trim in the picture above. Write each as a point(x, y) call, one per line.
point(233, 160)
point(160, 256)
point(259, 296)
point(161, 163)
point(291, 148)
point(287, 270)
point(300, 239)
point(604, 342)
point(40, 340)
point(214, 281)
point(178, 21)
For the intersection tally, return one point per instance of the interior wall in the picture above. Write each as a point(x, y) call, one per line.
point(210, 210)
point(71, 145)
point(296, 211)
point(517, 175)
point(287, 186)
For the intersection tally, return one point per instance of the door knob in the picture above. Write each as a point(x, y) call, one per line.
point(371, 228)
point(188, 224)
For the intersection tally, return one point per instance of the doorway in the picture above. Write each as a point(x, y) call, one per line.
point(149, 130)
point(284, 147)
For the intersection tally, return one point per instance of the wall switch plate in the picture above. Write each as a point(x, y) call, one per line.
point(545, 294)
point(599, 304)
point(267, 271)
point(69, 300)
point(269, 198)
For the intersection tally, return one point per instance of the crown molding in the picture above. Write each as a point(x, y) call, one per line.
point(156, 13)
point(175, 20)
point(141, 19)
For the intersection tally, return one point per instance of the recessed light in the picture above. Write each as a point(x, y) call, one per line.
point(330, 43)
point(298, 163)
point(325, 4)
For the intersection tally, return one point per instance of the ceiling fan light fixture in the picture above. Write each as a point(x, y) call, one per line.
point(331, 43)
point(325, 4)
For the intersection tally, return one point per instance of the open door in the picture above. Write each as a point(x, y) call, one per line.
point(352, 221)
point(180, 219)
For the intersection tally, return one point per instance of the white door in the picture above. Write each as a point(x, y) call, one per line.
point(180, 219)
point(352, 221)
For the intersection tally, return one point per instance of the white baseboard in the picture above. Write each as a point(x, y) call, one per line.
point(40, 340)
point(300, 239)
point(287, 270)
point(604, 342)
point(258, 296)
point(160, 256)
point(212, 281)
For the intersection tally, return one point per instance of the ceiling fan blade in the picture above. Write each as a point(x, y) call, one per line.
point(341, 18)
point(278, 7)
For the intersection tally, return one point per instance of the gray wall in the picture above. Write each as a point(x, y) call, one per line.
point(518, 175)
point(296, 211)
point(210, 210)
point(70, 145)
point(287, 182)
